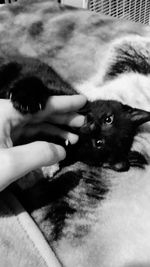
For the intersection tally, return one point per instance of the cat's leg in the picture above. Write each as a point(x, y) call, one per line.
point(119, 166)
point(28, 94)
point(8, 73)
point(134, 159)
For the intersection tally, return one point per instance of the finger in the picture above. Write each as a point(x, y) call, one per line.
point(18, 161)
point(64, 104)
point(72, 120)
point(9, 117)
point(43, 131)
point(9, 113)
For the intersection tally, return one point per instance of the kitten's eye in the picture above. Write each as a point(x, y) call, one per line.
point(109, 119)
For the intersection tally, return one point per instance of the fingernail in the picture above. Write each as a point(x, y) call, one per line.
point(61, 152)
point(81, 120)
point(77, 121)
point(72, 138)
point(83, 98)
point(85, 121)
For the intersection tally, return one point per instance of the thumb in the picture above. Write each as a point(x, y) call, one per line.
point(18, 161)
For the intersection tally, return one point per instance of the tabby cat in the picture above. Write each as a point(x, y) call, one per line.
point(91, 216)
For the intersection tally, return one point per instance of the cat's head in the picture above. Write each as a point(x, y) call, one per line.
point(108, 133)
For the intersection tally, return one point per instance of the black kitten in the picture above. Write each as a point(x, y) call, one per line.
point(107, 136)
point(108, 133)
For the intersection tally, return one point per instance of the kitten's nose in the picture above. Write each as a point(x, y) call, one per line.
point(98, 143)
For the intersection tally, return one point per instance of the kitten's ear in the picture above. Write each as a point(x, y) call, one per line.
point(138, 116)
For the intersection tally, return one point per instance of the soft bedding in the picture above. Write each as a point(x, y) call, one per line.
point(89, 216)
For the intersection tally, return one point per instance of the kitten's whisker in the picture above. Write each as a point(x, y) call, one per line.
point(40, 106)
point(10, 96)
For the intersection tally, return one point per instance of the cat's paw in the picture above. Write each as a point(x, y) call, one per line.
point(120, 166)
point(136, 159)
point(28, 95)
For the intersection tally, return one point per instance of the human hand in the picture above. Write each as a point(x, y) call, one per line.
point(20, 160)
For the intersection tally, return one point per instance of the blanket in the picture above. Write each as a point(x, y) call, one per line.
point(21, 242)
point(103, 219)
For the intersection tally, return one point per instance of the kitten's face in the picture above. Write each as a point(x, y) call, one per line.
point(108, 134)
point(111, 126)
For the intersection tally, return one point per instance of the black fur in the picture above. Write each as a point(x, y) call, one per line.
point(105, 142)
point(108, 133)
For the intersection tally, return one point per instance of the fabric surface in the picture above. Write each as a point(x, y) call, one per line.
point(21, 242)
